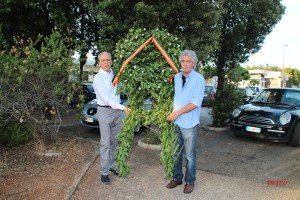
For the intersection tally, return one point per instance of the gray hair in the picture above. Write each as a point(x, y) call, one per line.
point(190, 53)
point(104, 52)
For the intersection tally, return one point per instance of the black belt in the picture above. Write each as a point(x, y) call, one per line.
point(104, 106)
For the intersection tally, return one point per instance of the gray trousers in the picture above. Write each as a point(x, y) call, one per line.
point(110, 122)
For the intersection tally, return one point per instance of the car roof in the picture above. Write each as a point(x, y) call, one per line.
point(289, 89)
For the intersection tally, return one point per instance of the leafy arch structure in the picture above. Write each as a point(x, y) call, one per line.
point(147, 74)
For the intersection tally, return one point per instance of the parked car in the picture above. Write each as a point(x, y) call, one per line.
point(87, 91)
point(255, 89)
point(209, 95)
point(247, 94)
point(89, 117)
point(273, 114)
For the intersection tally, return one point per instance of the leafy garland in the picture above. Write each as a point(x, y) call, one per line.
point(147, 76)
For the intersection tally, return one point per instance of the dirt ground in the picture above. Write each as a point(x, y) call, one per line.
point(28, 174)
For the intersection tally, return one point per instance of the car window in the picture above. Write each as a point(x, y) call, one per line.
point(91, 88)
point(279, 96)
point(249, 92)
point(254, 89)
point(291, 98)
point(263, 97)
point(209, 89)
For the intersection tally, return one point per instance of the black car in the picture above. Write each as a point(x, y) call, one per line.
point(209, 95)
point(273, 114)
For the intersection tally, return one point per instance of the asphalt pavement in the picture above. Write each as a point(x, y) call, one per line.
point(147, 181)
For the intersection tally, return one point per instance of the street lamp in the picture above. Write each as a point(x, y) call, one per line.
point(282, 73)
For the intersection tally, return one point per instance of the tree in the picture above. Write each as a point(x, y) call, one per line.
point(254, 82)
point(193, 22)
point(99, 25)
point(208, 71)
point(294, 76)
point(34, 84)
point(245, 24)
point(29, 19)
point(237, 74)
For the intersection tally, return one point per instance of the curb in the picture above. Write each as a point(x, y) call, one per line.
point(84, 170)
point(215, 129)
point(148, 146)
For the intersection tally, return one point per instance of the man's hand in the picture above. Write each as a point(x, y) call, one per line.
point(173, 116)
point(127, 110)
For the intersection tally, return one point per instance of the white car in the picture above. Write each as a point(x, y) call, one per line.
point(89, 117)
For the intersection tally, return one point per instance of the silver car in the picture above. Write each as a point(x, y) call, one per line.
point(89, 117)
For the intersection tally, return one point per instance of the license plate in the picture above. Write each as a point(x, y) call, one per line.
point(253, 129)
point(91, 120)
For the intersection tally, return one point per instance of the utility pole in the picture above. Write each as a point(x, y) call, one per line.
point(282, 73)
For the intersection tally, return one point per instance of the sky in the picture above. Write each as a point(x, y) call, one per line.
point(282, 45)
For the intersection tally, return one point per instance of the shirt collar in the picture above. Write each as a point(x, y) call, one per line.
point(104, 72)
point(191, 73)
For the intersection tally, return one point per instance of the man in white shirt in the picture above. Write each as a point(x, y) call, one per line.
point(109, 111)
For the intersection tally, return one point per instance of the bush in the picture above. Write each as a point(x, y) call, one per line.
point(14, 133)
point(34, 84)
point(226, 101)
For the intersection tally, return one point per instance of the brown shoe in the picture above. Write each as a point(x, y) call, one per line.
point(188, 188)
point(173, 184)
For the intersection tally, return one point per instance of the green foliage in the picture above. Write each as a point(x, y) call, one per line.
point(294, 77)
point(34, 83)
point(226, 102)
point(83, 22)
point(147, 76)
point(244, 27)
point(14, 133)
point(208, 71)
point(238, 74)
point(254, 82)
point(30, 18)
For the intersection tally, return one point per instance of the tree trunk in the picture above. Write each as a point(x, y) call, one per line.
point(221, 76)
point(83, 59)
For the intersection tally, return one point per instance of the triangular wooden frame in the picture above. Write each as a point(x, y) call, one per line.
point(159, 47)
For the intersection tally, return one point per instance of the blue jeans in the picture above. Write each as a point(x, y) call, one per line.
point(187, 141)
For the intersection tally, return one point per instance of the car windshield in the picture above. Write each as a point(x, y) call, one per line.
point(254, 89)
point(283, 97)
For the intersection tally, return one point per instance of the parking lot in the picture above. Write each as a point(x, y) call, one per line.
point(222, 153)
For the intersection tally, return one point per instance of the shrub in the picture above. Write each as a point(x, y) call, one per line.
point(226, 101)
point(14, 133)
point(34, 83)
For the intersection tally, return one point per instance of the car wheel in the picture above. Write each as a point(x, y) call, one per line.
point(295, 140)
point(138, 127)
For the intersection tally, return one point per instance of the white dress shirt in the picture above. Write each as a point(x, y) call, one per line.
point(105, 91)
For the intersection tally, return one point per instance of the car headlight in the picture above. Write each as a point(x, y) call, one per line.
point(236, 112)
point(285, 118)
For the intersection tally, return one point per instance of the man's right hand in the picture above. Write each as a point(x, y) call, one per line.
point(127, 110)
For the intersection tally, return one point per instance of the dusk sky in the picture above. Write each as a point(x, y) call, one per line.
point(282, 45)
